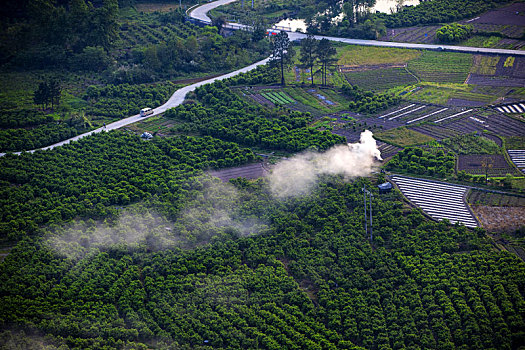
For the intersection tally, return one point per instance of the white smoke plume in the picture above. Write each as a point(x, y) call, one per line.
point(211, 210)
point(133, 229)
point(216, 210)
point(298, 175)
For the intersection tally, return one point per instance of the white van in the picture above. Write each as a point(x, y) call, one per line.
point(146, 111)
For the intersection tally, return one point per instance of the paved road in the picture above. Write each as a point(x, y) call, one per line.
point(200, 13)
point(176, 99)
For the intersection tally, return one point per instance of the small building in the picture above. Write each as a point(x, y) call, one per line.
point(146, 135)
point(385, 188)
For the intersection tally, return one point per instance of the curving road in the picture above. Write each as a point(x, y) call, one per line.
point(176, 99)
point(200, 14)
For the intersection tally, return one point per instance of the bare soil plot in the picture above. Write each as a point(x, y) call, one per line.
point(250, 171)
point(500, 219)
point(473, 164)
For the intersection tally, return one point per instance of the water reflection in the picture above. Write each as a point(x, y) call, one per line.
point(386, 6)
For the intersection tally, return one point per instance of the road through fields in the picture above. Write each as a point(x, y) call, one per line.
point(200, 14)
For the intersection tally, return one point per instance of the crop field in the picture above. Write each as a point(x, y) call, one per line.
point(472, 144)
point(277, 97)
point(497, 123)
point(351, 55)
point(380, 79)
point(316, 100)
point(495, 199)
point(442, 67)
point(154, 125)
point(435, 131)
point(485, 65)
point(445, 94)
point(506, 91)
point(250, 171)
point(261, 100)
point(518, 158)
point(496, 164)
point(477, 79)
point(511, 31)
point(482, 41)
point(515, 142)
point(472, 96)
point(387, 150)
point(437, 199)
point(403, 137)
point(419, 35)
point(511, 108)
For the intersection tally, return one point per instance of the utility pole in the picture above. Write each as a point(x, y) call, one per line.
point(242, 4)
point(252, 4)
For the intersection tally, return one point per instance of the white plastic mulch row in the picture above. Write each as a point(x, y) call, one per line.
point(439, 200)
point(428, 115)
point(397, 111)
point(518, 157)
point(512, 108)
point(452, 116)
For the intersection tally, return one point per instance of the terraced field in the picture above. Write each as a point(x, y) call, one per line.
point(439, 200)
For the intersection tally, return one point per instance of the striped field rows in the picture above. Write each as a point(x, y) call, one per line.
point(438, 200)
